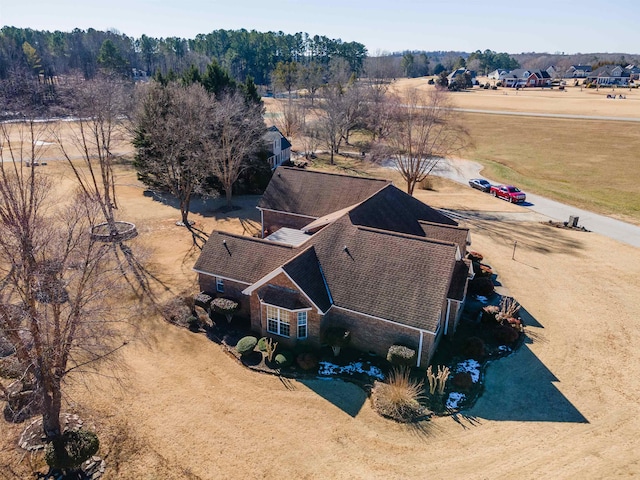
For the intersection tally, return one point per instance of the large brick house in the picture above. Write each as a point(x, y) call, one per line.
point(343, 251)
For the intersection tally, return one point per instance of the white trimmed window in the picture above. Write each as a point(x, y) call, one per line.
point(278, 321)
point(219, 285)
point(302, 324)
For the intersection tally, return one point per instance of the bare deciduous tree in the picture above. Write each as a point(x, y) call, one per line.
point(55, 282)
point(332, 120)
point(101, 107)
point(234, 136)
point(425, 129)
point(292, 119)
point(170, 138)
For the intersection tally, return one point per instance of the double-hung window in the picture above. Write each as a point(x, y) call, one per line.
point(302, 324)
point(278, 321)
point(219, 285)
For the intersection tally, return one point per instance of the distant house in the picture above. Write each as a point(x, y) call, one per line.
point(278, 146)
point(461, 71)
point(344, 251)
point(496, 74)
point(521, 78)
point(634, 72)
point(578, 71)
point(609, 75)
point(553, 71)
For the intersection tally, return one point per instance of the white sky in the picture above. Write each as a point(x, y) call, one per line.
point(569, 26)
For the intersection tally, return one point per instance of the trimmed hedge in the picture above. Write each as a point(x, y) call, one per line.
point(78, 446)
point(262, 344)
point(402, 356)
point(284, 359)
point(203, 300)
point(246, 345)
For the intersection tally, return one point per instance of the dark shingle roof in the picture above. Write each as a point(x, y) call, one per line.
point(389, 268)
point(392, 209)
point(305, 270)
point(273, 134)
point(315, 194)
point(447, 233)
point(397, 277)
point(283, 297)
point(240, 258)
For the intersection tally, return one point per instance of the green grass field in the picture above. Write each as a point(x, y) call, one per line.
point(591, 164)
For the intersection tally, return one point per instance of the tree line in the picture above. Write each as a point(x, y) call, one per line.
point(243, 53)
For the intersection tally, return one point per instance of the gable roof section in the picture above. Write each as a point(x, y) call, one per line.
point(607, 71)
point(394, 210)
point(273, 134)
point(244, 259)
point(283, 298)
point(306, 272)
point(402, 278)
point(447, 233)
point(315, 194)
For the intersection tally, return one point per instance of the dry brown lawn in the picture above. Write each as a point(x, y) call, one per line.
point(571, 101)
point(564, 406)
point(591, 164)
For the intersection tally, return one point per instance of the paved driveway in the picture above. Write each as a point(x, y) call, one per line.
point(463, 170)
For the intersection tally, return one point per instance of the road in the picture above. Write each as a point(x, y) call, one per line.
point(462, 170)
point(549, 115)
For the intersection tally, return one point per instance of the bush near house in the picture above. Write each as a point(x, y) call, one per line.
point(481, 286)
point(474, 348)
point(401, 356)
point(176, 311)
point(193, 323)
point(337, 338)
point(225, 306)
point(462, 382)
point(203, 300)
point(262, 344)
point(284, 359)
point(398, 397)
point(307, 361)
point(246, 345)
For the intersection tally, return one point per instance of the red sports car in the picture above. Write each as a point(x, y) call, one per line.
point(508, 192)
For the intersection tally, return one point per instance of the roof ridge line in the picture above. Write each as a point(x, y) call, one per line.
point(405, 235)
point(337, 174)
point(457, 227)
point(254, 239)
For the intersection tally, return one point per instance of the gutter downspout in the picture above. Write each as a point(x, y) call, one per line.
point(446, 321)
point(262, 223)
point(420, 349)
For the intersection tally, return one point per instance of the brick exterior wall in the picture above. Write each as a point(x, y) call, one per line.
point(373, 335)
point(367, 334)
point(259, 317)
point(233, 290)
point(273, 221)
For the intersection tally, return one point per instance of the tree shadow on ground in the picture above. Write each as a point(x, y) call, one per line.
point(521, 388)
point(347, 396)
point(529, 235)
point(244, 206)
